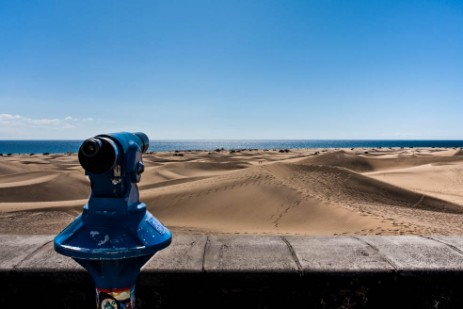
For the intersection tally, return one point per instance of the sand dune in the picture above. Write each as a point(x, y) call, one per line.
point(348, 191)
point(178, 170)
point(345, 187)
point(369, 161)
point(442, 180)
point(341, 159)
point(256, 204)
point(8, 167)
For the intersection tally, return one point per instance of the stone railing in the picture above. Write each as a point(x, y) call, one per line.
point(224, 271)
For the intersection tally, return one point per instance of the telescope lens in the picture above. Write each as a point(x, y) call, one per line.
point(91, 147)
point(145, 140)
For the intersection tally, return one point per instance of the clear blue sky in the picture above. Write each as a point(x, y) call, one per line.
point(312, 69)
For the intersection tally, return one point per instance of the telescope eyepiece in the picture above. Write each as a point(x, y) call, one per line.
point(101, 154)
point(91, 147)
point(98, 155)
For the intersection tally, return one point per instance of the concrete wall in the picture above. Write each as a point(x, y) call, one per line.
point(251, 272)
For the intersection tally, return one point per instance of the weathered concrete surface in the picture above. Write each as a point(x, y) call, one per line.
point(411, 253)
point(184, 255)
point(46, 259)
point(337, 254)
point(455, 242)
point(248, 254)
point(251, 272)
point(15, 248)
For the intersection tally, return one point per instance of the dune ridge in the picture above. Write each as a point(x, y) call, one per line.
point(307, 191)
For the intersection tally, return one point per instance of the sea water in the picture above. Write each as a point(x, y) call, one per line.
point(72, 146)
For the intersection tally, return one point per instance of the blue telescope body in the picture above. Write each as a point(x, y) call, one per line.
point(115, 234)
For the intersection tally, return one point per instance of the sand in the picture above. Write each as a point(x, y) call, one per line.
point(300, 192)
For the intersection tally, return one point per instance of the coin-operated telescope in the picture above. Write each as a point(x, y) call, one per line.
point(115, 235)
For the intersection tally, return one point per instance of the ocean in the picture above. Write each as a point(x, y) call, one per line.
point(72, 146)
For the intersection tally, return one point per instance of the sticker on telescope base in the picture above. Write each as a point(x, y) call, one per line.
point(116, 298)
point(157, 225)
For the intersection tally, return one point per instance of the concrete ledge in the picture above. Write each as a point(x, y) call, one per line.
point(251, 272)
